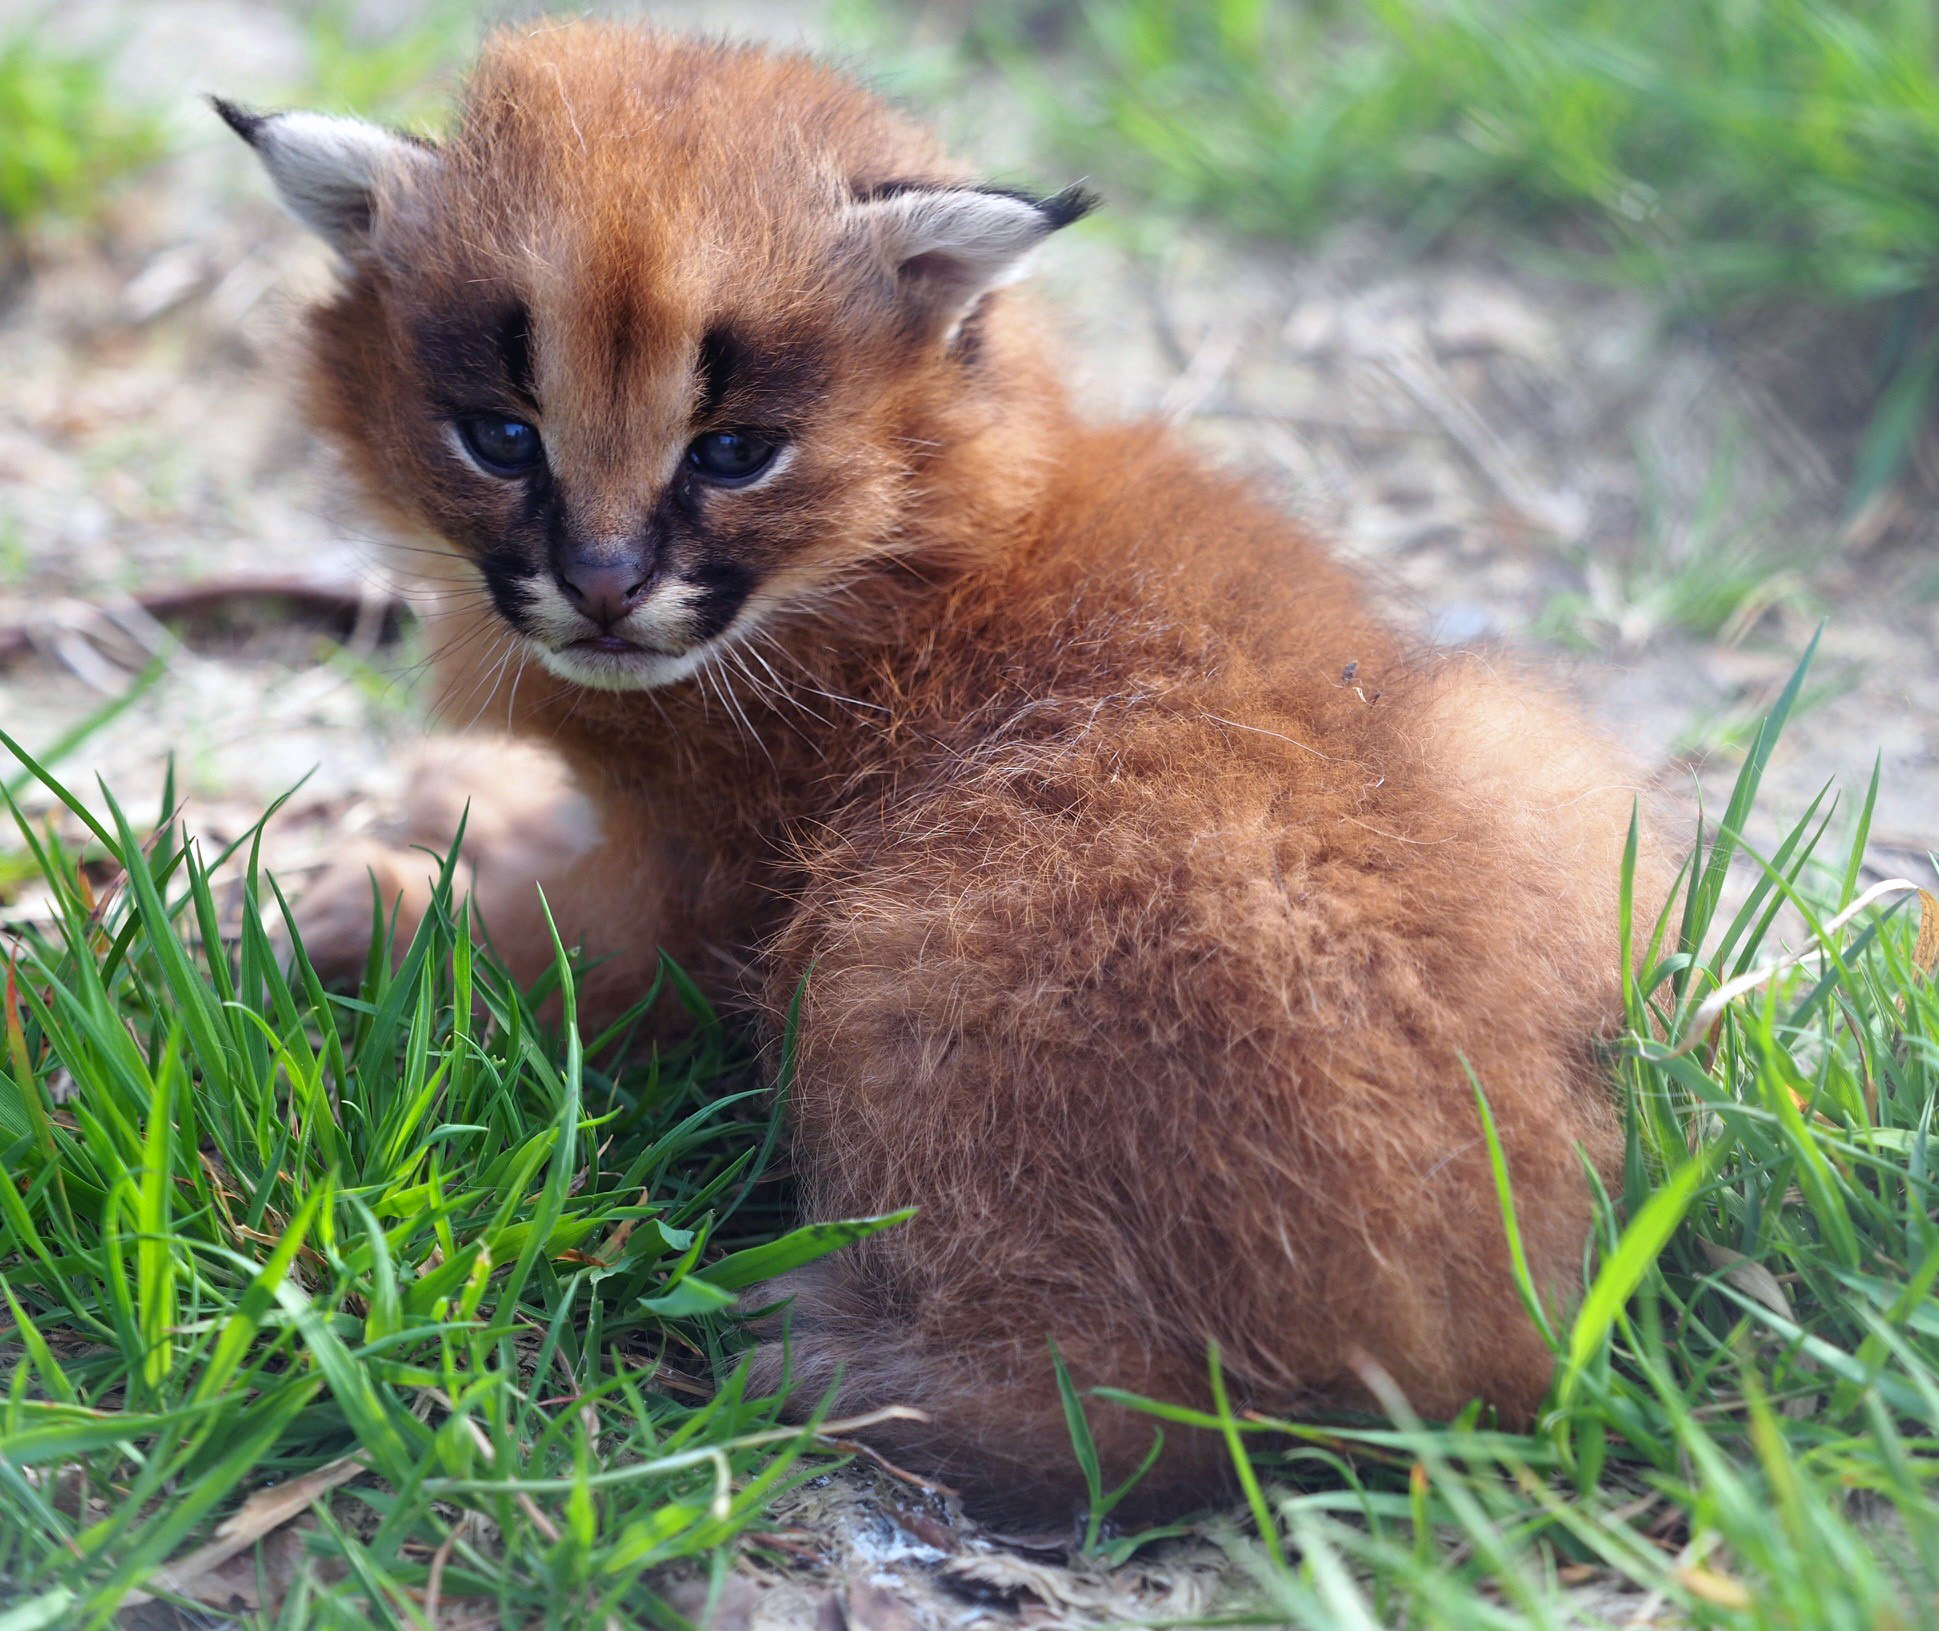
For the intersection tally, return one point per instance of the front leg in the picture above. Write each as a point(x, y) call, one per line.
point(532, 841)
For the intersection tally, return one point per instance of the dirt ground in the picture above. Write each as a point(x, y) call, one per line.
point(1517, 457)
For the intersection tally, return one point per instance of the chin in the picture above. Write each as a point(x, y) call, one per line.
point(635, 670)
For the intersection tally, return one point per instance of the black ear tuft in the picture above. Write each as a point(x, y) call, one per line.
point(244, 123)
point(950, 245)
point(333, 173)
point(1072, 204)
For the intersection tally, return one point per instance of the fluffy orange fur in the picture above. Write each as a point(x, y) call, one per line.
point(1150, 890)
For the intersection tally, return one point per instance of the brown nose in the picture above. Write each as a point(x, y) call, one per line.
point(605, 591)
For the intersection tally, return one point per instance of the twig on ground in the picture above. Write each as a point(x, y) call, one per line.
point(353, 605)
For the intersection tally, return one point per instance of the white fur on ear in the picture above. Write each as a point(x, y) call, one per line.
point(952, 245)
point(328, 170)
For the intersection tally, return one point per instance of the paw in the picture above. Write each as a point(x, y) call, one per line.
point(333, 915)
point(521, 821)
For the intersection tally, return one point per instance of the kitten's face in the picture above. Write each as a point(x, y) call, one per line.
point(642, 341)
point(640, 470)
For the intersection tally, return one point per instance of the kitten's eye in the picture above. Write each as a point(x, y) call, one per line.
point(730, 456)
point(505, 447)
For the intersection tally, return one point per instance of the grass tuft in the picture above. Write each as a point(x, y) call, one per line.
point(1713, 569)
point(420, 1249)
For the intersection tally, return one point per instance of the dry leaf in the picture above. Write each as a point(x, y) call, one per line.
point(264, 1511)
point(1925, 950)
point(870, 1608)
point(931, 1532)
point(1712, 1587)
point(1010, 1576)
point(1749, 1277)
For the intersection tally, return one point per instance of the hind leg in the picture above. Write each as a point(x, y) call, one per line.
point(1163, 1094)
point(991, 1422)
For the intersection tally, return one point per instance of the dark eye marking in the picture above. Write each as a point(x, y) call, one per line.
point(756, 379)
point(479, 355)
point(515, 352)
point(724, 585)
point(503, 447)
point(731, 458)
point(723, 358)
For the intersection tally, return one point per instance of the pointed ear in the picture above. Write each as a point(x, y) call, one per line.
point(329, 171)
point(950, 246)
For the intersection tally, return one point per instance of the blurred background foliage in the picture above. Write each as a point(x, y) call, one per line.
point(1727, 151)
point(1735, 155)
point(63, 134)
point(1726, 148)
point(1723, 148)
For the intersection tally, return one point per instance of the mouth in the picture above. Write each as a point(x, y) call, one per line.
point(660, 643)
point(617, 645)
point(611, 662)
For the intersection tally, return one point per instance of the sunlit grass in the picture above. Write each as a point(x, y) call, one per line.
point(1784, 146)
point(418, 1243)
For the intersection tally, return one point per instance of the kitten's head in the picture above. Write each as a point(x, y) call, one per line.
point(662, 340)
